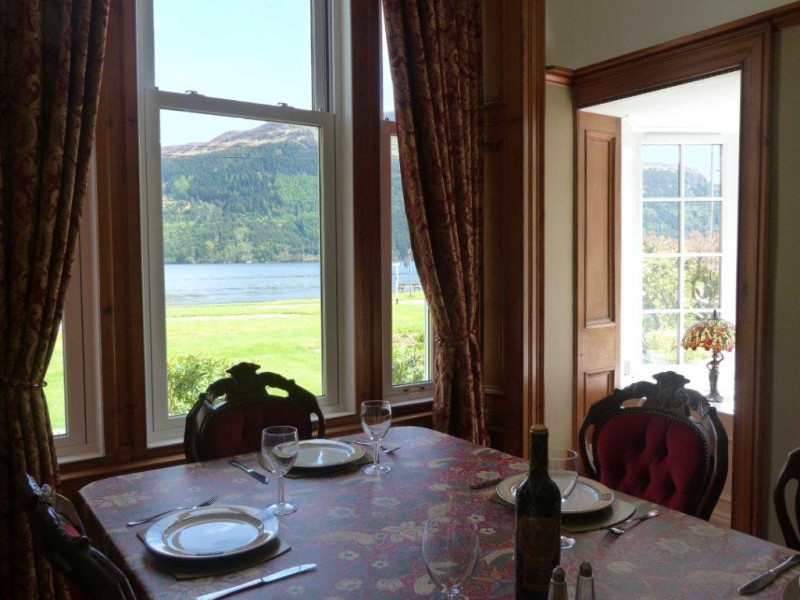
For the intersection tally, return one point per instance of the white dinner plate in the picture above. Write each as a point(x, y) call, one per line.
point(211, 531)
point(317, 454)
point(588, 495)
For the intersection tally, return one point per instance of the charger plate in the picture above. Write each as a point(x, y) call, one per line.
point(211, 532)
point(588, 495)
point(323, 454)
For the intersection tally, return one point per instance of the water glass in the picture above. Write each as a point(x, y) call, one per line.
point(450, 550)
point(376, 418)
point(563, 470)
point(279, 446)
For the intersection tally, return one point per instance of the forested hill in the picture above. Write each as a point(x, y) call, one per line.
point(243, 196)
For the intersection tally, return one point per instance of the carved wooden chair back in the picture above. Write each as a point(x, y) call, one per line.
point(60, 536)
point(229, 416)
point(790, 472)
point(667, 446)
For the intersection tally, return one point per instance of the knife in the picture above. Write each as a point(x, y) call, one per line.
point(253, 473)
point(291, 571)
point(763, 580)
point(485, 484)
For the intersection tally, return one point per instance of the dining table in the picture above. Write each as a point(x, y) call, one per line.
point(364, 532)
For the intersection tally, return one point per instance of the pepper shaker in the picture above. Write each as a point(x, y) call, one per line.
point(585, 587)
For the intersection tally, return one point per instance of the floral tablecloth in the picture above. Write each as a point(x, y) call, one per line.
point(364, 532)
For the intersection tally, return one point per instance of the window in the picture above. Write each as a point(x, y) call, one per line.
point(407, 330)
point(685, 247)
point(73, 375)
point(240, 216)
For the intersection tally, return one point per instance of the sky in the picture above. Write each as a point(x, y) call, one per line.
point(251, 50)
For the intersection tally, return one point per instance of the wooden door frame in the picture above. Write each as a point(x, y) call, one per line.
point(744, 46)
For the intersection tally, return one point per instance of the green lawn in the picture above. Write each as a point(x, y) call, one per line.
point(282, 336)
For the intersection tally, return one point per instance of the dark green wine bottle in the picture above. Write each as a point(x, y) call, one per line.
point(538, 524)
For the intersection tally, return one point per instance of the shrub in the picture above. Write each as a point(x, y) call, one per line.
point(188, 376)
point(408, 357)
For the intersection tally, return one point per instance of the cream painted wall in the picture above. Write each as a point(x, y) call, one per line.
point(624, 26)
point(582, 32)
point(785, 349)
point(558, 273)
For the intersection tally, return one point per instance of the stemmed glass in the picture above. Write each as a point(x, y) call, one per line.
point(376, 417)
point(279, 445)
point(450, 550)
point(563, 469)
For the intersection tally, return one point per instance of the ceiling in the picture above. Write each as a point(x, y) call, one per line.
point(708, 105)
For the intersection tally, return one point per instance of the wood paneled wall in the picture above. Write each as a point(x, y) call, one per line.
point(513, 38)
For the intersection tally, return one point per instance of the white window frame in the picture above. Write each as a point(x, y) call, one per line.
point(633, 258)
point(81, 342)
point(417, 390)
point(335, 205)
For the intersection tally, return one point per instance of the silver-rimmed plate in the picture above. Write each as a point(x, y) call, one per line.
point(588, 495)
point(320, 454)
point(211, 532)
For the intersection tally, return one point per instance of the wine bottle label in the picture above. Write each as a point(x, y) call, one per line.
point(538, 545)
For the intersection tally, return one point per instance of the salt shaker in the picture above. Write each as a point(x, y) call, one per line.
point(558, 585)
point(585, 588)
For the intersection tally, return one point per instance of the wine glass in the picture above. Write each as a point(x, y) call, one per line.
point(563, 470)
point(279, 445)
point(450, 551)
point(376, 417)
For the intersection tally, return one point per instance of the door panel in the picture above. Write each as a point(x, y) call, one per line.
point(598, 259)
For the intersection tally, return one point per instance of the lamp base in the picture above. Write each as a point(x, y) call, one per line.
point(713, 377)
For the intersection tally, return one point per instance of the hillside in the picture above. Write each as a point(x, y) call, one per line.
point(243, 196)
point(246, 196)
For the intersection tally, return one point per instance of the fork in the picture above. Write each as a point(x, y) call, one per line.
point(208, 502)
point(632, 522)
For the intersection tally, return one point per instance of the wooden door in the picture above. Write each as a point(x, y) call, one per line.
point(597, 321)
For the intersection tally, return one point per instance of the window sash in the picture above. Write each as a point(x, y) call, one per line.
point(634, 364)
point(81, 340)
point(416, 390)
point(163, 429)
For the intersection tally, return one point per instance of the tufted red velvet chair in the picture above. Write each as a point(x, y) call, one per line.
point(789, 472)
point(229, 416)
point(88, 573)
point(669, 447)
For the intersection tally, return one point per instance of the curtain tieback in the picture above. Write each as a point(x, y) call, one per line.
point(452, 342)
point(19, 383)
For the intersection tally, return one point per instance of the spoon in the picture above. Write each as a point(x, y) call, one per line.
point(634, 520)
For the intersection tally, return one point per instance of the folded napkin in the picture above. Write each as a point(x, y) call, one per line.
point(188, 568)
point(298, 472)
point(599, 519)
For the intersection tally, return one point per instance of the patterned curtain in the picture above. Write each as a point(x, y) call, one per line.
point(436, 60)
point(51, 56)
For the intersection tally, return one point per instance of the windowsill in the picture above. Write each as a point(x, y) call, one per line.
point(75, 475)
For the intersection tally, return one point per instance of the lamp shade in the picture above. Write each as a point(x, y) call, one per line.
point(712, 333)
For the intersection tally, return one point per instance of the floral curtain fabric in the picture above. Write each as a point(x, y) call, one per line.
point(436, 60)
point(51, 55)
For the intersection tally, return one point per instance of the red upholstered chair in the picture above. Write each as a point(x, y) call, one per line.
point(669, 447)
point(61, 538)
point(230, 414)
point(789, 472)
